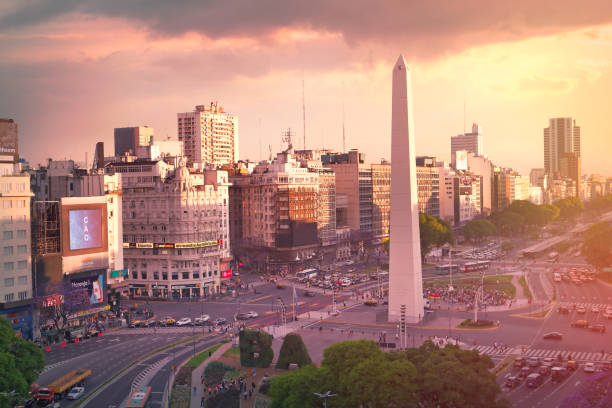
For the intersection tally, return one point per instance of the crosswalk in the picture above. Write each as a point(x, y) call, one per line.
point(602, 306)
point(145, 375)
point(543, 353)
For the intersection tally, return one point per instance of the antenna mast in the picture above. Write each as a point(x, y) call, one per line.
point(303, 110)
point(260, 154)
point(343, 134)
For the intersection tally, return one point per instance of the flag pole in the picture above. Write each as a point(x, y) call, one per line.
point(294, 296)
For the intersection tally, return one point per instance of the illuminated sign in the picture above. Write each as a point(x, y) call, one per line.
point(54, 300)
point(93, 285)
point(177, 245)
point(85, 229)
point(121, 272)
point(226, 274)
point(84, 232)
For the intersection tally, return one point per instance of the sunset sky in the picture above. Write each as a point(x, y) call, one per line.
point(72, 70)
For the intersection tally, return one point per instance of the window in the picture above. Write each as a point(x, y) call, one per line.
point(196, 275)
point(143, 275)
point(164, 275)
point(185, 275)
point(8, 266)
point(134, 275)
point(20, 203)
point(22, 249)
point(7, 251)
point(21, 233)
point(209, 274)
point(8, 297)
point(7, 204)
point(156, 275)
point(174, 275)
point(22, 280)
point(6, 188)
point(22, 264)
point(23, 295)
point(9, 282)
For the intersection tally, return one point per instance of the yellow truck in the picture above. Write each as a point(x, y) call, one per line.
point(60, 387)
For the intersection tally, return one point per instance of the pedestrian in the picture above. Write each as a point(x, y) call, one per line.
point(245, 395)
point(202, 402)
point(250, 394)
point(253, 385)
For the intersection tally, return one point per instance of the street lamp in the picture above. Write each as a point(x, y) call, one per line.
point(325, 396)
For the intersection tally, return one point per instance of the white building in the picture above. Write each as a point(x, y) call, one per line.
point(471, 142)
point(175, 228)
point(519, 187)
point(209, 136)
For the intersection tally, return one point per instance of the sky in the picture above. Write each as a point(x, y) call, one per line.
point(72, 70)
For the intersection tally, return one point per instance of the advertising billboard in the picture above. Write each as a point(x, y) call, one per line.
point(85, 228)
point(84, 236)
point(93, 286)
point(8, 138)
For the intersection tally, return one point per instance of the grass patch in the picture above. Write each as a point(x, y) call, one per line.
point(503, 365)
point(490, 283)
point(526, 291)
point(480, 324)
point(538, 315)
point(201, 357)
point(181, 389)
point(232, 352)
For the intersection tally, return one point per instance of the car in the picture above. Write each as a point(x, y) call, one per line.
point(75, 393)
point(589, 368)
point(558, 374)
point(598, 328)
point(524, 372)
point(548, 362)
point(134, 323)
point(185, 321)
point(220, 320)
point(310, 293)
point(544, 370)
point(202, 320)
point(595, 309)
point(553, 336)
point(533, 362)
point(606, 366)
point(534, 380)
point(169, 321)
point(242, 316)
point(519, 362)
point(581, 309)
point(280, 286)
point(563, 310)
point(571, 365)
point(371, 302)
point(149, 323)
point(580, 323)
point(252, 314)
point(512, 382)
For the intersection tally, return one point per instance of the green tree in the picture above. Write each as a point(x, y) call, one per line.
point(296, 389)
point(255, 348)
point(550, 212)
point(508, 222)
point(476, 230)
point(597, 248)
point(20, 364)
point(293, 351)
point(569, 207)
point(433, 232)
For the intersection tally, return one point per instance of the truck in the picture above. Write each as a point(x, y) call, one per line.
point(60, 387)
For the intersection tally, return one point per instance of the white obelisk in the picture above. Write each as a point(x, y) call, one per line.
point(405, 276)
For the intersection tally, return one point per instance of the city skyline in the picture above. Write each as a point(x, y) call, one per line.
point(66, 75)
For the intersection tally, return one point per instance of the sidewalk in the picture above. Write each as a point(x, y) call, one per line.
point(198, 372)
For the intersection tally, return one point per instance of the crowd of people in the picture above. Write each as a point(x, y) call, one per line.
point(466, 295)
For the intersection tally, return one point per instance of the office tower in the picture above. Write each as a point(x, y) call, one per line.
point(471, 142)
point(405, 275)
point(569, 167)
point(560, 137)
point(130, 139)
point(209, 136)
point(537, 177)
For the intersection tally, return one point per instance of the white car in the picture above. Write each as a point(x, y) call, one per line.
point(252, 314)
point(75, 393)
point(185, 321)
point(202, 319)
point(589, 368)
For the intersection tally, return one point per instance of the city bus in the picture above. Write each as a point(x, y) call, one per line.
point(140, 398)
point(476, 266)
point(446, 269)
point(306, 274)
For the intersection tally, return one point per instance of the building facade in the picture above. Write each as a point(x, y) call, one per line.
point(560, 137)
point(209, 136)
point(470, 142)
point(132, 139)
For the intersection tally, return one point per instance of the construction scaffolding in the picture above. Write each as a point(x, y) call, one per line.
point(45, 228)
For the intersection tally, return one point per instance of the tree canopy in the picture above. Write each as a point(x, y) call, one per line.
point(597, 247)
point(508, 222)
point(20, 363)
point(569, 207)
point(293, 351)
point(362, 375)
point(476, 230)
point(433, 232)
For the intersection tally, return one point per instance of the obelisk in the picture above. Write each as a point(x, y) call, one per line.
point(405, 276)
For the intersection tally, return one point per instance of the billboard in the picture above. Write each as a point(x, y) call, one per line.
point(92, 286)
point(8, 138)
point(84, 229)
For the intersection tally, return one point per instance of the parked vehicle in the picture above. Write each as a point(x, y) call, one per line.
point(169, 321)
point(185, 321)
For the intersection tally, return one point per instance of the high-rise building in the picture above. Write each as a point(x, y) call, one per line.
point(537, 177)
point(569, 167)
point(131, 139)
point(428, 183)
point(560, 137)
point(471, 142)
point(209, 136)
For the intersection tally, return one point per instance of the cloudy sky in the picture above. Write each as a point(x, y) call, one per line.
point(72, 70)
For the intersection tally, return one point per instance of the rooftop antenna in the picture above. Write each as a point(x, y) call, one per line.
point(303, 110)
point(343, 134)
point(286, 138)
point(270, 150)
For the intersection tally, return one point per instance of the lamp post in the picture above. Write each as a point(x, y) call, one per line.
point(325, 396)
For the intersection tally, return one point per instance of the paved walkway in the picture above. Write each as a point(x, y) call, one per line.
point(198, 372)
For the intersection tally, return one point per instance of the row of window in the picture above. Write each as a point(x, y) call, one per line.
point(8, 250)
point(6, 204)
point(8, 235)
point(174, 275)
point(10, 282)
point(9, 266)
point(7, 188)
point(9, 297)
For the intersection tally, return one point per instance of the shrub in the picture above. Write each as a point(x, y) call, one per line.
point(293, 351)
point(255, 348)
point(227, 399)
point(215, 372)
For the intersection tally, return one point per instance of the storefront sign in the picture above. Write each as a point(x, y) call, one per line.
point(121, 272)
point(89, 312)
point(177, 245)
point(226, 274)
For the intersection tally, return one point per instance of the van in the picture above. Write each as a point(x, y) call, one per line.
point(534, 380)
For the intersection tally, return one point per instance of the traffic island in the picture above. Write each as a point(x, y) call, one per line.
point(479, 324)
